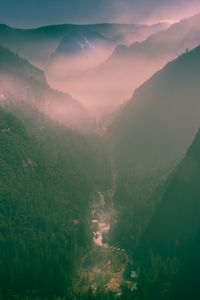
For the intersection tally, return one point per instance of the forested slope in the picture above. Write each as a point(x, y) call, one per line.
point(168, 252)
point(48, 176)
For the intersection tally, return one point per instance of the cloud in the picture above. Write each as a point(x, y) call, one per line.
point(34, 13)
point(144, 11)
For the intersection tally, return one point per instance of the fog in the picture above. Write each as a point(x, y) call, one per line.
point(155, 11)
point(103, 79)
point(58, 106)
point(101, 84)
point(101, 90)
point(101, 65)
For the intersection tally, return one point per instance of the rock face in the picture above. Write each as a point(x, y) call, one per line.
point(80, 42)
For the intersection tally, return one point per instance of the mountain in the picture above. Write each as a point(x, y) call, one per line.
point(21, 81)
point(148, 139)
point(164, 44)
point(78, 51)
point(37, 45)
point(49, 48)
point(80, 42)
point(168, 252)
point(159, 122)
point(134, 64)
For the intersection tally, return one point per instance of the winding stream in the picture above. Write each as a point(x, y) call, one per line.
point(101, 225)
point(100, 222)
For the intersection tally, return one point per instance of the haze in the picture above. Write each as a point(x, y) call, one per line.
point(35, 13)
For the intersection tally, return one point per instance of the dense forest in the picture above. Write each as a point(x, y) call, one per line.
point(169, 246)
point(49, 175)
point(149, 138)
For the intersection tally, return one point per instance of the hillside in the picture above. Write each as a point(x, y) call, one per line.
point(158, 123)
point(168, 249)
point(22, 81)
point(148, 138)
point(48, 178)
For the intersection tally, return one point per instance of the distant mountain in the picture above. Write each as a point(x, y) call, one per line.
point(159, 122)
point(79, 50)
point(165, 44)
point(21, 81)
point(50, 48)
point(134, 64)
point(81, 41)
point(37, 45)
point(126, 33)
point(168, 254)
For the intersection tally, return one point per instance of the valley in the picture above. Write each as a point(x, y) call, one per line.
point(100, 161)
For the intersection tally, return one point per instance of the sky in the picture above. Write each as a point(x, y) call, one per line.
point(35, 13)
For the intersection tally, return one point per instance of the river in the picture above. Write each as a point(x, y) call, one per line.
point(101, 224)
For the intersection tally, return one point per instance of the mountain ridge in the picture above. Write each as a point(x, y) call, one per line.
point(161, 115)
point(25, 82)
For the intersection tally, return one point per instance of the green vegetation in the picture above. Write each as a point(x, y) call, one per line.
point(157, 220)
point(168, 247)
point(158, 124)
point(135, 200)
point(48, 177)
